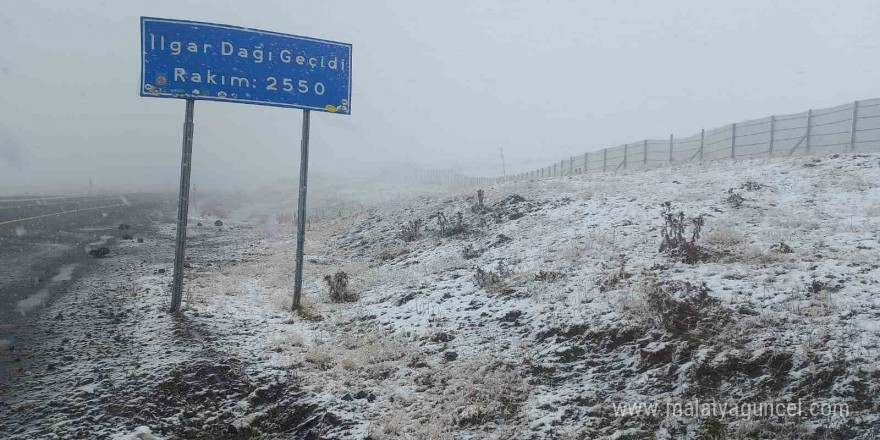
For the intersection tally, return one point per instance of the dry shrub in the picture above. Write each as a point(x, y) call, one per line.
point(821, 303)
point(491, 279)
point(469, 252)
point(412, 230)
point(485, 279)
point(675, 242)
point(480, 207)
point(320, 356)
point(751, 185)
point(676, 307)
point(338, 285)
point(447, 227)
point(549, 276)
point(735, 200)
point(389, 252)
point(612, 280)
point(307, 311)
point(781, 248)
point(374, 354)
point(462, 396)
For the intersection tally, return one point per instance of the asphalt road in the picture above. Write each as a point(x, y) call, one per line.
point(44, 243)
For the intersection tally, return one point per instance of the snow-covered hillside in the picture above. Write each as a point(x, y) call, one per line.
point(551, 305)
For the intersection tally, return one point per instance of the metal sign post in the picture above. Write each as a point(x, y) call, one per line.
point(182, 206)
point(193, 60)
point(301, 210)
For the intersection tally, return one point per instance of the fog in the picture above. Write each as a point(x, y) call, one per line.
point(439, 85)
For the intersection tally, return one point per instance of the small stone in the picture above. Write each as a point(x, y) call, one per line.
point(450, 356)
point(140, 240)
point(782, 248)
point(100, 252)
point(161, 270)
point(511, 316)
point(218, 223)
point(347, 397)
point(441, 337)
point(362, 394)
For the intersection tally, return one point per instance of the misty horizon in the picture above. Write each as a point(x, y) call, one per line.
point(436, 87)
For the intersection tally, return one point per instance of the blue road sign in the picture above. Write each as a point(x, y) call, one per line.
point(193, 60)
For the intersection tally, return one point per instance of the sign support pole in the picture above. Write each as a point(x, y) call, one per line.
point(182, 206)
point(301, 210)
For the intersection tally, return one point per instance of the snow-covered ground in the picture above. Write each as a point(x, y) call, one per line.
point(572, 325)
point(545, 311)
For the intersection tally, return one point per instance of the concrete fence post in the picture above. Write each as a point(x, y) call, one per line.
point(733, 141)
point(670, 148)
point(625, 153)
point(604, 160)
point(772, 133)
point(586, 162)
point(645, 153)
point(809, 128)
point(852, 129)
point(702, 142)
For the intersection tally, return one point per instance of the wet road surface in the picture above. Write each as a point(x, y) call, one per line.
point(45, 244)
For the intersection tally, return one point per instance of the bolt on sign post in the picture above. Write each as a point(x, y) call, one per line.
point(194, 61)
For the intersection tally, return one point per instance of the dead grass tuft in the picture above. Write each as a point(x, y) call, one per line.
point(338, 287)
point(676, 307)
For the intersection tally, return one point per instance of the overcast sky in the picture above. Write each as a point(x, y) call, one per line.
point(437, 84)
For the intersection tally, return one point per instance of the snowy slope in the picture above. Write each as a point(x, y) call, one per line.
point(564, 307)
